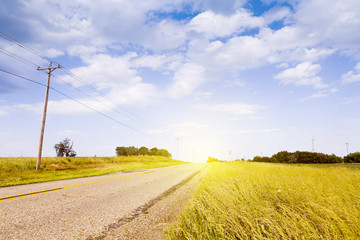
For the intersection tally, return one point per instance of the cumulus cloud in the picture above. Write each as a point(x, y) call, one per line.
point(304, 74)
point(186, 79)
point(113, 77)
point(217, 25)
point(104, 71)
point(146, 35)
point(352, 76)
point(276, 14)
point(224, 7)
point(335, 22)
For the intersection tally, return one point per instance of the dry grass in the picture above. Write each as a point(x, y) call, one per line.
point(16, 171)
point(272, 201)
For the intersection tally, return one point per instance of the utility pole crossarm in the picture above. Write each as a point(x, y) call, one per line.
point(50, 70)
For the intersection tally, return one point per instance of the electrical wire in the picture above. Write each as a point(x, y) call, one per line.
point(73, 99)
point(91, 87)
point(10, 39)
point(13, 55)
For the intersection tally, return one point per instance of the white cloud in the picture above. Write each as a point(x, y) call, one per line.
point(224, 7)
point(157, 62)
point(186, 79)
point(114, 76)
point(352, 76)
point(52, 52)
point(218, 25)
point(321, 93)
point(236, 109)
point(304, 74)
point(118, 83)
point(238, 53)
point(336, 22)
point(276, 14)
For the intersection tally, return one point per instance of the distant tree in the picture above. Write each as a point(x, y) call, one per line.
point(122, 151)
point(211, 159)
point(282, 157)
point(334, 159)
point(133, 151)
point(154, 151)
point(352, 158)
point(143, 151)
point(64, 148)
point(164, 153)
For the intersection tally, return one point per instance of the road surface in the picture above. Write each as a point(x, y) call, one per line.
point(85, 207)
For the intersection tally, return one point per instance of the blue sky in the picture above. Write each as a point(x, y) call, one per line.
point(250, 77)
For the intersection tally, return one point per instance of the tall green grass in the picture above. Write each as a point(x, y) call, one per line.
point(272, 201)
point(16, 171)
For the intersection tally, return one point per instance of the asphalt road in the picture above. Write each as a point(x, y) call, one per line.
point(82, 208)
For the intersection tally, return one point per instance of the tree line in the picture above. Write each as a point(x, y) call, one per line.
point(308, 157)
point(134, 151)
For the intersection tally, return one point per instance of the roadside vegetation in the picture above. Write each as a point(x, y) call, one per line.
point(249, 200)
point(134, 151)
point(308, 157)
point(17, 171)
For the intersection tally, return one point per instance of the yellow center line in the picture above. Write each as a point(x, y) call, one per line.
point(79, 185)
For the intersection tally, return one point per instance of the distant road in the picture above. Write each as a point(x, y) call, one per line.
point(82, 208)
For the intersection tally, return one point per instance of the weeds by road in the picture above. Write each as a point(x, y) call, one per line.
point(272, 201)
point(16, 171)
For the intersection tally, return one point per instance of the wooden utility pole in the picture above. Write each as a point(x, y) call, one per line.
point(49, 69)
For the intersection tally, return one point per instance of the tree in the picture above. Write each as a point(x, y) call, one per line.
point(122, 151)
point(133, 151)
point(164, 153)
point(352, 158)
point(143, 151)
point(154, 151)
point(211, 159)
point(64, 148)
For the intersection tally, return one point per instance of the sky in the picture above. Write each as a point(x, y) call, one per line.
point(229, 79)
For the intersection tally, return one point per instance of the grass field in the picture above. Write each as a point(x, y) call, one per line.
point(16, 171)
point(273, 201)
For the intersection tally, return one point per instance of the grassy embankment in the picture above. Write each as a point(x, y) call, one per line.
point(16, 171)
point(273, 201)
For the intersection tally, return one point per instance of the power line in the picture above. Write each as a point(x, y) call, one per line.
point(14, 41)
point(10, 54)
point(91, 87)
point(27, 79)
point(73, 99)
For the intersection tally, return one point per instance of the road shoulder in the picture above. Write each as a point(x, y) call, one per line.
point(149, 221)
